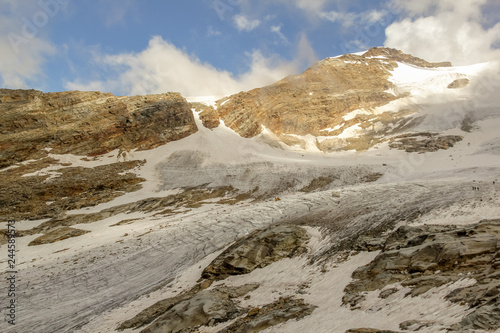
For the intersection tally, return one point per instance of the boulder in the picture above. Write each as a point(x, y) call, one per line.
point(258, 319)
point(257, 250)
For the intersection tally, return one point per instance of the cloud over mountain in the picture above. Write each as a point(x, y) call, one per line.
point(163, 67)
point(445, 30)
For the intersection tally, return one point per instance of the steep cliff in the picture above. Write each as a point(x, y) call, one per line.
point(87, 123)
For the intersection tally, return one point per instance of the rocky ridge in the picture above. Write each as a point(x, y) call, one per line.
point(318, 102)
point(33, 123)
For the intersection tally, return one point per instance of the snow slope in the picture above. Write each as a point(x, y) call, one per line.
point(94, 282)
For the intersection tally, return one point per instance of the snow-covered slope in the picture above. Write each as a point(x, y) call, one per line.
point(203, 193)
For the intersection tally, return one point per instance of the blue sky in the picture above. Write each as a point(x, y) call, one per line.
point(218, 47)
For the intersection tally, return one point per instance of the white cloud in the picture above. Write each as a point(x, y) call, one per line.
point(269, 17)
point(23, 48)
point(162, 67)
point(211, 31)
point(374, 16)
point(277, 30)
point(245, 24)
point(309, 5)
point(469, 8)
point(306, 55)
point(313, 8)
point(445, 30)
point(347, 19)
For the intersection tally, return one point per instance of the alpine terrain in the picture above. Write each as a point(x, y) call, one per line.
point(359, 196)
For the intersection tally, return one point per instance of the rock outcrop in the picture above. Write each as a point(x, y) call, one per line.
point(87, 123)
point(149, 314)
point(400, 56)
point(190, 310)
point(423, 258)
point(209, 307)
point(205, 306)
point(424, 142)
point(57, 234)
point(318, 101)
point(257, 250)
point(29, 194)
point(258, 319)
point(60, 223)
point(459, 83)
point(368, 330)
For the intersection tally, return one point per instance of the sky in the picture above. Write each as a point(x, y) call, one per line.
point(220, 47)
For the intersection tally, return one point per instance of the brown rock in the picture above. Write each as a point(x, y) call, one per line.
point(87, 123)
point(403, 57)
point(58, 234)
point(38, 197)
point(196, 307)
point(319, 98)
point(459, 83)
point(309, 102)
point(317, 184)
point(368, 330)
point(423, 258)
point(257, 250)
point(424, 142)
point(270, 315)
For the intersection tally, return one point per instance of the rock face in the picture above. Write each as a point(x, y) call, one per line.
point(424, 142)
point(403, 57)
point(318, 101)
point(208, 307)
point(368, 330)
point(459, 83)
point(258, 319)
point(423, 258)
point(149, 314)
point(33, 123)
point(87, 123)
point(58, 234)
point(257, 250)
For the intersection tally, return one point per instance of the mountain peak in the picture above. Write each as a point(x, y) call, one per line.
point(337, 100)
point(400, 56)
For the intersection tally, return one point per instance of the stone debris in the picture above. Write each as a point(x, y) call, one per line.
point(201, 306)
point(423, 258)
point(459, 83)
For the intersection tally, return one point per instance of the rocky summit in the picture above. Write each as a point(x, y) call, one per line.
point(320, 102)
point(360, 196)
